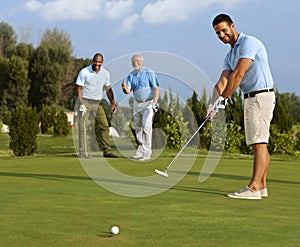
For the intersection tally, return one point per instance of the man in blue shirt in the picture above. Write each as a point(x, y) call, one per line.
point(246, 66)
point(145, 86)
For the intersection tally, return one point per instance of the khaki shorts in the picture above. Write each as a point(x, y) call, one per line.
point(258, 113)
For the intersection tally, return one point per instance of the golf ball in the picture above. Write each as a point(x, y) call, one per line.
point(115, 230)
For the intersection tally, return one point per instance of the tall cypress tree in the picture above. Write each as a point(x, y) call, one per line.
point(282, 117)
point(45, 77)
point(17, 86)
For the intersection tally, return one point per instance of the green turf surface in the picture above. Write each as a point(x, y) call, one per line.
point(48, 200)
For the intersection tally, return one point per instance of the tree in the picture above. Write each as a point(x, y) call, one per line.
point(60, 43)
point(282, 113)
point(22, 50)
point(52, 70)
point(234, 109)
point(25, 34)
point(198, 108)
point(45, 77)
point(188, 117)
point(294, 106)
point(8, 38)
point(4, 77)
point(16, 88)
point(68, 93)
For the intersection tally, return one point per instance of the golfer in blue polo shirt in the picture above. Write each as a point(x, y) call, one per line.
point(246, 66)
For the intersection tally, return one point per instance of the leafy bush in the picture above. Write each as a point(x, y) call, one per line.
point(6, 117)
point(176, 131)
point(234, 138)
point(214, 134)
point(47, 119)
point(281, 143)
point(23, 131)
point(234, 142)
point(61, 124)
point(172, 131)
point(297, 143)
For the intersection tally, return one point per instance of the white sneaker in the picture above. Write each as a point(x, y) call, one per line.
point(145, 158)
point(246, 193)
point(137, 156)
point(264, 192)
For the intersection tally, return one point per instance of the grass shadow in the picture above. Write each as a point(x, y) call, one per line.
point(43, 176)
point(238, 177)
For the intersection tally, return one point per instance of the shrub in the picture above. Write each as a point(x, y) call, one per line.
point(234, 138)
point(23, 131)
point(297, 143)
point(47, 119)
point(61, 124)
point(281, 143)
point(213, 135)
point(176, 131)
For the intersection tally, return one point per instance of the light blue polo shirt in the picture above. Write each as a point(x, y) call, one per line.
point(258, 75)
point(93, 82)
point(142, 83)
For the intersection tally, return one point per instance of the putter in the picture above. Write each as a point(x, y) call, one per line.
point(165, 173)
point(85, 145)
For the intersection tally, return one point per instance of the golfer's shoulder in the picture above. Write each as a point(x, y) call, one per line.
point(104, 71)
point(86, 70)
point(147, 70)
point(251, 40)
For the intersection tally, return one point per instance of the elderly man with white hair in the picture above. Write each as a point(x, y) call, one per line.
point(145, 86)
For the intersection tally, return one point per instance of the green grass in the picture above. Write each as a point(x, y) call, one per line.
point(48, 200)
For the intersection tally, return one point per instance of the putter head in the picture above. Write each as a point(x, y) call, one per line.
point(165, 174)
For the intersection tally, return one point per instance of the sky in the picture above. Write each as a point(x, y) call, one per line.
point(183, 28)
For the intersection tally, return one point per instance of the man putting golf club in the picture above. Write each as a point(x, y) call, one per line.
point(246, 66)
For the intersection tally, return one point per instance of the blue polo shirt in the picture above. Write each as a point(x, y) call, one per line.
point(258, 75)
point(142, 83)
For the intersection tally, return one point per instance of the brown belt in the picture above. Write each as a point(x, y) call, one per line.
point(252, 94)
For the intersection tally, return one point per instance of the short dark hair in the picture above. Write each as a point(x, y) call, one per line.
point(220, 18)
point(98, 55)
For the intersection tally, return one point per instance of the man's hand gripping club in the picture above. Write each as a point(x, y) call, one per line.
point(212, 109)
point(82, 109)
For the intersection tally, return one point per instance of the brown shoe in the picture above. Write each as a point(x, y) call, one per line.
point(110, 155)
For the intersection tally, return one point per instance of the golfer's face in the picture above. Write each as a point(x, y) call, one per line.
point(137, 63)
point(97, 63)
point(225, 32)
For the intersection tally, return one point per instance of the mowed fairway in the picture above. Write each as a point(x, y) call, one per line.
point(49, 200)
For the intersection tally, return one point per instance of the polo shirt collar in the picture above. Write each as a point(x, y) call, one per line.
point(240, 38)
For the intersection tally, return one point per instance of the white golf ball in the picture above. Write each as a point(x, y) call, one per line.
point(115, 230)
